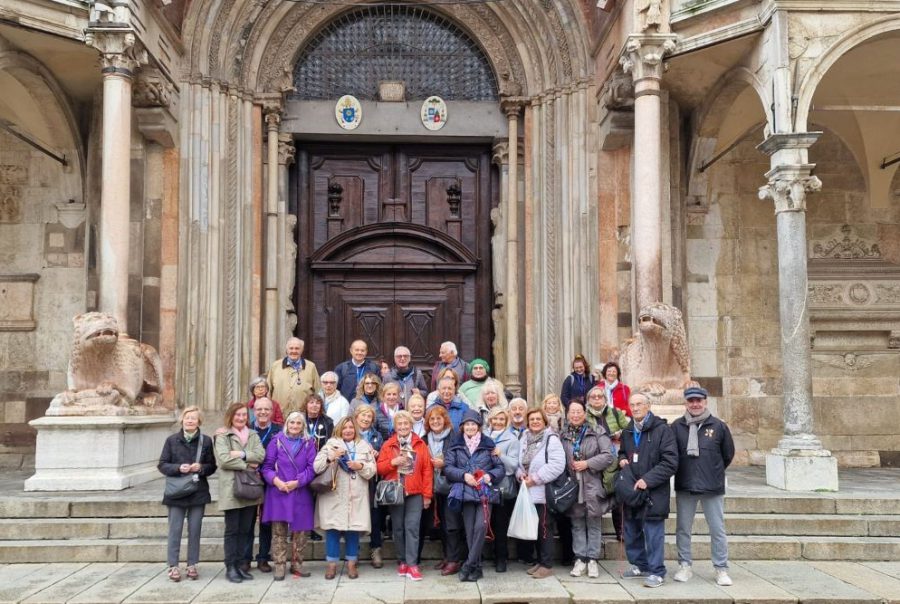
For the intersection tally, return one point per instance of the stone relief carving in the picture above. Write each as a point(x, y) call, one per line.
point(152, 89)
point(10, 204)
point(847, 362)
point(617, 93)
point(846, 248)
point(789, 193)
point(109, 373)
point(652, 16)
point(657, 358)
point(854, 293)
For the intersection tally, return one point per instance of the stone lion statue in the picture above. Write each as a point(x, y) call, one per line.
point(656, 360)
point(109, 373)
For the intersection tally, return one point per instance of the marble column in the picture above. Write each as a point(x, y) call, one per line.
point(643, 58)
point(118, 64)
point(799, 462)
point(513, 379)
point(287, 248)
point(272, 346)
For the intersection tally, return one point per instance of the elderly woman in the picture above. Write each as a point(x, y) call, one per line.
point(385, 412)
point(436, 396)
point(506, 447)
point(344, 512)
point(237, 449)
point(405, 457)
point(368, 392)
point(318, 425)
point(259, 388)
point(542, 460)
point(364, 420)
point(478, 371)
point(602, 415)
point(336, 406)
point(439, 436)
point(416, 407)
point(289, 507)
point(578, 382)
point(617, 393)
point(587, 455)
point(490, 396)
point(187, 452)
point(473, 469)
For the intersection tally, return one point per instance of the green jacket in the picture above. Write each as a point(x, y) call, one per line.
point(225, 443)
point(617, 421)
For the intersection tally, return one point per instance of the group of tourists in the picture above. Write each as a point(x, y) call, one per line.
point(342, 454)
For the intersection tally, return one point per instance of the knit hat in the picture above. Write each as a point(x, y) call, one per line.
point(695, 392)
point(472, 416)
point(481, 362)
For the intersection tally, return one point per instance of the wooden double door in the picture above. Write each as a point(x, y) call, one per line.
point(394, 248)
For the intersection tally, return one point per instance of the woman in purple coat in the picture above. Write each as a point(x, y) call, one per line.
point(289, 506)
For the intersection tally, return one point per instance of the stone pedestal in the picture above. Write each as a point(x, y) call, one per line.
point(97, 453)
point(802, 470)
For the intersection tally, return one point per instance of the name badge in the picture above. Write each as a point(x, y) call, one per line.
point(634, 457)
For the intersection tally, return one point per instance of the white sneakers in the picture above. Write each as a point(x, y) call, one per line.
point(593, 569)
point(722, 578)
point(684, 573)
point(579, 568)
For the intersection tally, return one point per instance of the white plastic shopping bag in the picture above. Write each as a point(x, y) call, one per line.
point(523, 524)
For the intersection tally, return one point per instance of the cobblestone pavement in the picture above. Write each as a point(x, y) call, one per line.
point(756, 582)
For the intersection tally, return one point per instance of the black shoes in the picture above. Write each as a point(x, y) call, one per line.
point(245, 574)
point(233, 574)
point(500, 566)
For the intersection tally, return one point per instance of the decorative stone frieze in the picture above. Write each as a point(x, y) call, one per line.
point(847, 247)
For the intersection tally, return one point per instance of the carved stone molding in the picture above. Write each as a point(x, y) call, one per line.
point(845, 245)
point(644, 54)
point(617, 93)
point(152, 89)
point(788, 187)
point(500, 153)
point(286, 150)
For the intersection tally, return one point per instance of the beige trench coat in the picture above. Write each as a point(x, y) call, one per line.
point(347, 507)
point(225, 443)
point(291, 388)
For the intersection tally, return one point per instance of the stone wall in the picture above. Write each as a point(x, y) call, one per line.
point(42, 255)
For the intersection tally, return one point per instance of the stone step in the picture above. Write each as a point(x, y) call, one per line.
point(740, 548)
point(823, 525)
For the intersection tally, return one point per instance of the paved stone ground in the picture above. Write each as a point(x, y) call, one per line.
point(757, 582)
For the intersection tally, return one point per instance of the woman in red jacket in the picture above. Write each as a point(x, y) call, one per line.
point(405, 457)
point(617, 393)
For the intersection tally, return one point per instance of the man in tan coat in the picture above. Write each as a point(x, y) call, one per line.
point(293, 378)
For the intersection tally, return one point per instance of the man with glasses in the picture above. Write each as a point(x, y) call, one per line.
point(351, 371)
point(410, 378)
point(648, 457)
point(266, 427)
point(705, 449)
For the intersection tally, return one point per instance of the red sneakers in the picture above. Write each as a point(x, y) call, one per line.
point(413, 573)
point(402, 569)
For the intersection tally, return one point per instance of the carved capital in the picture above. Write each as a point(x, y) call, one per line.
point(788, 186)
point(272, 106)
point(286, 150)
point(512, 106)
point(500, 153)
point(119, 52)
point(152, 89)
point(644, 54)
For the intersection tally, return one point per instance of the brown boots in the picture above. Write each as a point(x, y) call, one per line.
point(331, 571)
point(352, 570)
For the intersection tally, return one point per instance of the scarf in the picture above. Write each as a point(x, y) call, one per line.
point(555, 421)
point(436, 442)
point(419, 427)
point(295, 365)
point(472, 442)
point(639, 425)
point(243, 434)
point(693, 422)
point(402, 373)
point(532, 444)
point(189, 436)
point(609, 390)
point(293, 442)
point(597, 417)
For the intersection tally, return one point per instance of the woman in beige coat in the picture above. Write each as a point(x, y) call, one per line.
point(345, 510)
point(237, 449)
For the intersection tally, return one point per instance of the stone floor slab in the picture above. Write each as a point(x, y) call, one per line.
point(12, 572)
point(516, 586)
point(74, 584)
point(748, 587)
point(435, 589)
point(362, 592)
point(562, 573)
point(888, 568)
point(583, 592)
point(312, 590)
point(160, 589)
point(810, 585)
point(31, 582)
point(697, 590)
point(868, 579)
point(222, 590)
point(120, 584)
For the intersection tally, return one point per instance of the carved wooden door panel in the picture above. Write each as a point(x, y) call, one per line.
point(393, 248)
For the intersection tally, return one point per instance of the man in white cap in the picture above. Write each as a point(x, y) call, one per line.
point(705, 449)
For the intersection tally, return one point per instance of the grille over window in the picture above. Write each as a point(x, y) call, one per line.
point(417, 46)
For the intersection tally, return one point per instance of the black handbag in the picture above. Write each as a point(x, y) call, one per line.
point(179, 487)
point(509, 488)
point(389, 492)
point(441, 484)
point(561, 493)
point(248, 484)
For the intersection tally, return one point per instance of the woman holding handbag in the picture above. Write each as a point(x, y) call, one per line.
point(405, 458)
point(186, 460)
point(506, 447)
point(289, 506)
point(344, 510)
point(238, 450)
point(588, 454)
point(438, 437)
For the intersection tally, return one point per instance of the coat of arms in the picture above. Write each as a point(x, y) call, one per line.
point(434, 113)
point(348, 112)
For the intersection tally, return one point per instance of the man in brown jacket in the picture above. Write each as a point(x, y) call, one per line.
point(293, 378)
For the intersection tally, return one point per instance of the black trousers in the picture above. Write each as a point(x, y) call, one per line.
point(238, 524)
point(500, 514)
point(545, 536)
point(564, 530)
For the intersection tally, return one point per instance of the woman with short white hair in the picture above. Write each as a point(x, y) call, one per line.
point(336, 406)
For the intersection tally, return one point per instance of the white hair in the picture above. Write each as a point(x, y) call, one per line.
point(401, 349)
point(518, 399)
point(328, 374)
point(450, 346)
point(290, 340)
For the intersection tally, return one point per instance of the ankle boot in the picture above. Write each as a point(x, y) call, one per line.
point(352, 570)
point(330, 571)
point(298, 544)
point(377, 561)
point(279, 572)
point(232, 574)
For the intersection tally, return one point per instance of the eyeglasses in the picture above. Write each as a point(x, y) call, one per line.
point(329, 382)
point(402, 356)
point(370, 383)
point(596, 396)
point(639, 404)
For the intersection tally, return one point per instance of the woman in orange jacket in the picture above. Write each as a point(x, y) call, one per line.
point(405, 457)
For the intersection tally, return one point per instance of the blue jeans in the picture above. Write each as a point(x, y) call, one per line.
point(333, 545)
point(645, 543)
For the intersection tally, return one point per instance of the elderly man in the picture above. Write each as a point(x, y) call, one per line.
point(518, 407)
point(648, 457)
point(448, 398)
point(705, 449)
point(410, 378)
point(350, 372)
point(265, 425)
point(293, 378)
point(449, 358)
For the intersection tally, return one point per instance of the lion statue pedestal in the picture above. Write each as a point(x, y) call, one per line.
point(106, 430)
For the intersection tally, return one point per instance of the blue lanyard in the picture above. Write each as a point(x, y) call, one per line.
point(637, 438)
point(351, 451)
point(360, 371)
point(577, 446)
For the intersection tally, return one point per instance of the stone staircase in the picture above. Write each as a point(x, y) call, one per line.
point(763, 524)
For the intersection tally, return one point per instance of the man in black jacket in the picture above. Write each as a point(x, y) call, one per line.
point(705, 449)
point(648, 447)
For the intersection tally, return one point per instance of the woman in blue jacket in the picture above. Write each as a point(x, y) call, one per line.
point(473, 470)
